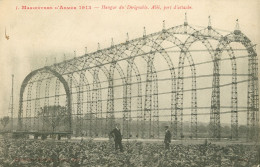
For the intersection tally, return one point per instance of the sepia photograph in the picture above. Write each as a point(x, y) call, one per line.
point(111, 83)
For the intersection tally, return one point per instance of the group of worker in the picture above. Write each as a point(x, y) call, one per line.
point(116, 134)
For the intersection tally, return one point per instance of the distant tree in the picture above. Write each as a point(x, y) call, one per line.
point(4, 121)
point(202, 128)
point(242, 130)
point(53, 115)
point(225, 131)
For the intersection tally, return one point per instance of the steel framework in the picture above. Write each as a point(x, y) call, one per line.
point(84, 93)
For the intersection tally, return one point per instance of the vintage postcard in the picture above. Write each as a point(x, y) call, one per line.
point(129, 83)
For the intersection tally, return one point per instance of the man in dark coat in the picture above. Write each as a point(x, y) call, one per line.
point(167, 138)
point(116, 134)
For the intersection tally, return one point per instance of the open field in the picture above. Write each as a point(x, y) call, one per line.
point(100, 152)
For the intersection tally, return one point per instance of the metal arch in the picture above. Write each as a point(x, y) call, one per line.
point(253, 96)
point(184, 29)
point(127, 93)
point(25, 83)
point(20, 113)
point(168, 60)
point(127, 89)
point(78, 84)
point(117, 66)
point(127, 103)
point(148, 102)
point(69, 66)
point(196, 36)
point(234, 115)
point(110, 101)
point(148, 94)
point(116, 52)
point(81, 60)
point(166, 36)
point(28, 122)
point(62, 69)
point(203, 35)
point(80, 89)
point(151, 78)
point(98, 55)
point(96, 103)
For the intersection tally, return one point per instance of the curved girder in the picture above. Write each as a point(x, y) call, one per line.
point(127, 91)
point(203, 36)
point(138, 49)
point(253, 95)
point(29, 101)
point(166, 36)
point(210, 33)
point(25, 83)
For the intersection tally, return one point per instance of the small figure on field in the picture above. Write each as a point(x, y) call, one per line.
point(167, 138)
point(116, 134)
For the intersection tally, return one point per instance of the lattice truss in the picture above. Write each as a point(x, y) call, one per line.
point(145, 81)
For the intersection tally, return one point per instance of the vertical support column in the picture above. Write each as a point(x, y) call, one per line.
point(148, 98)
point(79, 104)
point(56, 101)
point(89, 109)
point(37, 106)
point(94, 102)
point(139, 114)
point(46, 105)
point(126, 111)
point(28, 108)
point(215, 102)
point(96, 106)
point(127, 106)
point(173, 126)
point(256, 96)
point(139, 107)
point(57, 92)
point(253, 99)
point(20, 113)
point(99, 108)
point(250, 102)
point(70, 77)
point(110, 118)
point(179, 105)
point(78, 114)
point(234, 113)
point(155, 123)
point(194, 126)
